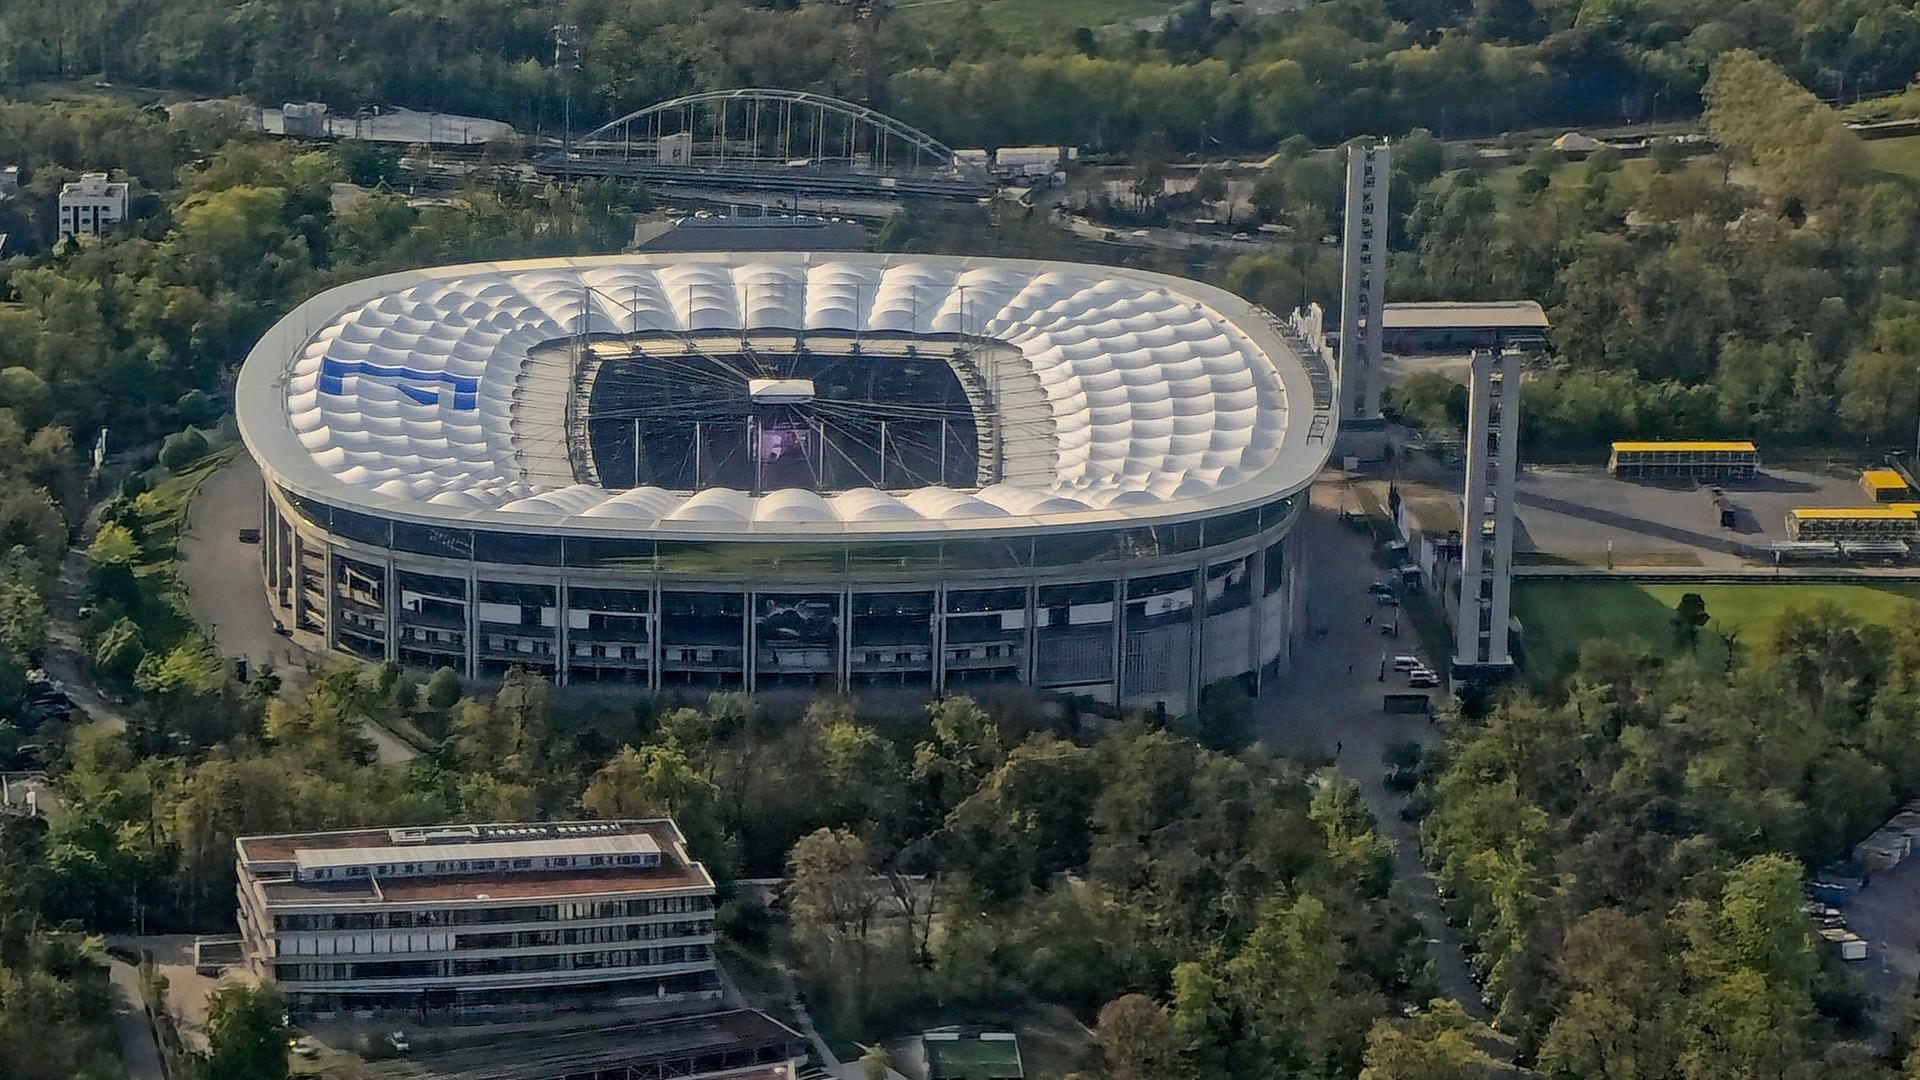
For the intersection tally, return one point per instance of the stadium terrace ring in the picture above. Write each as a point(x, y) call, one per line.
point(747, 471)
point(1095, 394)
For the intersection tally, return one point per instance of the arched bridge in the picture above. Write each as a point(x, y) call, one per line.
point(770, 139)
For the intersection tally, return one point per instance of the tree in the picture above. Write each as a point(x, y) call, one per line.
point(965, 746)
point(406, 693)
point(1210, 185)
point(1690, 616)
point(1667, 154)
point(183, 448)
point(443, 688)
point(1136, 1040)
point(832, 894)
point(118, 651)
point(655, 780)
point(1431, 1046)
point(245, 1038)
point(1800, 147)
point(1269, 198)
point(505, 736)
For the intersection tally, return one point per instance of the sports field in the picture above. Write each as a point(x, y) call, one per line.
point(1559, 616)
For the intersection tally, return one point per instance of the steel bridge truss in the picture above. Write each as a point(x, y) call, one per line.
point(758, 128)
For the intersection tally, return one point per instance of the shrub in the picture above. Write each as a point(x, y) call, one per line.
point(183, 448)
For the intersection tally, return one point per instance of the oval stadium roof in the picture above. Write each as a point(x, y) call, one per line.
point(426, 395)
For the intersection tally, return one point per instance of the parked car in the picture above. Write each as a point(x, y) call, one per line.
point(304, 1047)
point(1407, 662)
point(397, 1041)
point(1422, 679)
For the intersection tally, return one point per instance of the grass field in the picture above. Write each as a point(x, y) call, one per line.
point(1028, 19)
point(1899, 157)
point(1559, 617)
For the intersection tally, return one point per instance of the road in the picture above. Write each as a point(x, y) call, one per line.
point(1329, 706)
point(221, 575)
point(222, 579)
point(139, 1053)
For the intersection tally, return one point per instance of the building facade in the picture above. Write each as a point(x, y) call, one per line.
point(468, 918)
point(90, 204)
point(975, 471)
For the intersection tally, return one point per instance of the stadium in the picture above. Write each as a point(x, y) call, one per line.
point(750, 471)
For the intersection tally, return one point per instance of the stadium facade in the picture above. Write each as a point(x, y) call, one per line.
point(744, 470)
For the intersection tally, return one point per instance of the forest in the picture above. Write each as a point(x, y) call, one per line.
point(1627, 856)
point(1213, 78)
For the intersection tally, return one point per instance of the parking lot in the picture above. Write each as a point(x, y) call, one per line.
point(1577, 512)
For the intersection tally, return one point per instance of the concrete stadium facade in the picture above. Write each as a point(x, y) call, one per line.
point(456, 474)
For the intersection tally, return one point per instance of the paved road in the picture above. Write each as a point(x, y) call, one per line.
point(1331, 703)
point(222, 575)
point(139, 1053)
point(224, 590)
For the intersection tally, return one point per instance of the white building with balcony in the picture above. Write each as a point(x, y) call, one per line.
point(471, 918)
point(90, 204)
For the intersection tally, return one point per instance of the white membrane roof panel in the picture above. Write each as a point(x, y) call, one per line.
point(405, 395)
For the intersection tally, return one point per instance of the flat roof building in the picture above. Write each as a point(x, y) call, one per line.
point(460, 918)
point(1888, 521)
point(91, 203)
point(1454, 327)
point(1735, 459)
point(1886, 485)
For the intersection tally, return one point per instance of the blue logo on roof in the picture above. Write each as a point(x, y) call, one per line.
point(466, 388)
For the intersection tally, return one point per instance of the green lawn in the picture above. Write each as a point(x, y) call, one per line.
point(1560, 616)
point(1899, 157)
point(1021, 20)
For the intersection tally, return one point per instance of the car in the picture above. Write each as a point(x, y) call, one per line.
point(397, 1041)
point(1407, 662)
point(304, 1047)
point(1386, 599)
point(249, 536)
point(1380, 588)
point(1422, 680)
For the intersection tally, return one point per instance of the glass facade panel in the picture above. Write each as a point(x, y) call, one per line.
point(987, 554)
point(825, 559)
point(703, 638)
point(433, 621)
point(518, 626)
point(598, 553)
point(1159, 646)
point(524, 549)
point(362, 527)
point(1276, 568)
point(609, 635)
point(1229, 585)
point(360, 607)
point(986, 635)
point(891, 638)
point(797, 639)
point(1073, 634)
point(898, 558)
point(1074, 549)
point(432, 540)
point(1231, 527)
